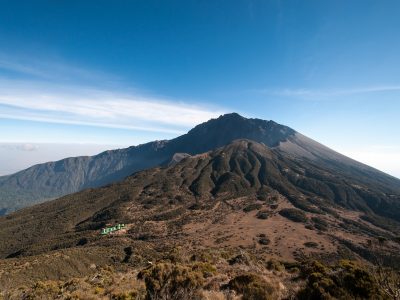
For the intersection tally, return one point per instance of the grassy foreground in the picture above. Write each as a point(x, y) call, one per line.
point(214, 274)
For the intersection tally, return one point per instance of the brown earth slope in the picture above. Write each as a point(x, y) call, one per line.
point(241, 195)
point(236, 207)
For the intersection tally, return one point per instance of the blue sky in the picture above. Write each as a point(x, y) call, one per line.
point(119, 73)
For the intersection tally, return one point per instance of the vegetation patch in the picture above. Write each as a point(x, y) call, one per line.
point(294, 215)
point(242, 258)
point(264, 241)
point(252, 206)
point(309, 227)
point(320, 223)
point(311, 245)
point(263, 214)
point(346, 280)
point(252, 286)
point(169, 215)
point(384, 223)
point(274, 265)
point(172, 281)
point(195, 206)
point(83, 241)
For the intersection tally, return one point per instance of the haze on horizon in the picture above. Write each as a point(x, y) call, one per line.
point(77, 78)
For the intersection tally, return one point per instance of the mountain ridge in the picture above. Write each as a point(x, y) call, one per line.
point(54, 179)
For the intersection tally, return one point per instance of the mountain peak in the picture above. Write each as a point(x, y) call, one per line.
point(232, 126)
point(232, 115)
point(235, 119)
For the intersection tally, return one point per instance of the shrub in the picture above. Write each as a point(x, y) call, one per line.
point(207, 255)
point(294, 215)
point(128, 253)
point(311, 245)
point(252, 287)
point(205, 268)
point(242, 258)
point(169, 215)
point(263, 215)
point(99, 290)
point(251, 207)
point(347, 280)
point(357, 280)
point(82, 242)
point(397, 239)
point(274, 265)
point(176, 255)
point(171, 281)
point(388, 281)
point(195, 206)
point(43, 290)
point(132, 295)
point(381, 240)
point(263, 194)
point(320, 223)
point(294, 270)
point(264, 241)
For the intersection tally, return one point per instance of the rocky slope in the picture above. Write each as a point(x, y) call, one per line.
point(227, 197)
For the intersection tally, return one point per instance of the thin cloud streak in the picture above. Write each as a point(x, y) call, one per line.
point(92, 124)
point(20, 68)
point(50, 69)
point(99, 108)
point(328, 92)
point(57, 92)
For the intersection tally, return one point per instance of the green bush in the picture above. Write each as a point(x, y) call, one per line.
point(205, 268)
point(320, 223)
point(346, 280)
point(132, 295)
point(311, 244)
point(273, 206)
point(242, 258)
point(252, 287)
point(274, 265)
point(203, 256)
point(264, 241)
point(263, 194)
point(171, 281)
point(294, 215)
point(252, 206)
point(357, 280)
point(263, 215)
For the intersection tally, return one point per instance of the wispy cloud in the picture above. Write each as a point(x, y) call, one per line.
point(50, 90)
point(18, 67)
point(76, 105)
point(313, 93)
point(54, 69)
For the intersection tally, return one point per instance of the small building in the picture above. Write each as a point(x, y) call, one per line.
point(108, 230)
